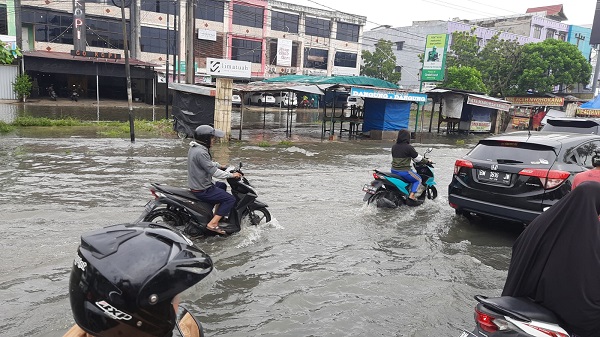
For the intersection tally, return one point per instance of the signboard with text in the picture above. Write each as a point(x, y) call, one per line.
point(95, 54)
point(391, 95)
point(209, 35)
point(480, 126)
point(434, 59)
point(228, 68)
point(284, 52)
point(488, 103)
point(79, 25)
point(537, 101)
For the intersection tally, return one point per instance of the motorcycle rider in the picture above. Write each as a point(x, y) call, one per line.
point(201, 170)
point(589, 175)
point(404, 156)
point(126, 280)
point(556, 260)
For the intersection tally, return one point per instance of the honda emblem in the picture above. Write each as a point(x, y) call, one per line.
point(494, 167)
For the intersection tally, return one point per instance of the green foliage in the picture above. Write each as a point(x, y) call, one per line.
point(499, 65)
point(264, 143)
point(22, 86)
point(5, 128)
point(381, 63)
point(464, 78)
point(550, 63)
point(286, 143)
point(465, 49)
point(43, 121)
point(8, 56)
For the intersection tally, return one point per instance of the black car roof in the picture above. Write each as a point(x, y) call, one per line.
point(552, 139)
point(575, 119)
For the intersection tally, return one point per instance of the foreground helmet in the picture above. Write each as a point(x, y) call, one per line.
point(125, 277)
point(596, 159)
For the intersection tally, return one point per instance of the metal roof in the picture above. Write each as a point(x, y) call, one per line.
point(340, 80)
point(68, 57)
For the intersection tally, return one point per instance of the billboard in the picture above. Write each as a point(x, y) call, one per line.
point(434, 59)
point(228, 68)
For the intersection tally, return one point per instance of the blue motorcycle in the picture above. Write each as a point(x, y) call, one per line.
point(390, 191)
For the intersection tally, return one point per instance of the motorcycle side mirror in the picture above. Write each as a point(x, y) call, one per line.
point(241, 165)
point(187, 324)
point(429, 149)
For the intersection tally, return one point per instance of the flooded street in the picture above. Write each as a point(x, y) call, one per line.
point(326, 265)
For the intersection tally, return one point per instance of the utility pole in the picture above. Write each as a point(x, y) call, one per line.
point(167, 70)
point(596, 70)
point(190, 28)
point(176, 28)
point(127, 74)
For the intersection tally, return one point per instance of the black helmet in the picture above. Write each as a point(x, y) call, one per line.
point(204, 133)
point(596, 158)
point(125, 277)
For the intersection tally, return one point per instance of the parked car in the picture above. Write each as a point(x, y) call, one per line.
point(282, 99)
point(516, 176)
point(573, 124)
point(236, 100)
point(354, 101)
point(261, 98)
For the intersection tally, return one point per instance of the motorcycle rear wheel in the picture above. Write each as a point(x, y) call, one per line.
point(384, 194)
point(259, 216)
point(164, 216)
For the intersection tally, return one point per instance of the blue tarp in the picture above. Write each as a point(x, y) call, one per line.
point(386, 115)
point(593, 104)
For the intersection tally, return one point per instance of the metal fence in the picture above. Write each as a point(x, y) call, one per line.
point(7, 77)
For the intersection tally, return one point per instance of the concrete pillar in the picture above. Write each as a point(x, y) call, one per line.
point(222, 119)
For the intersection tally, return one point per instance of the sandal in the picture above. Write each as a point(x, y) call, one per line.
point(217, 229)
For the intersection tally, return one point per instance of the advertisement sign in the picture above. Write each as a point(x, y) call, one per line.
point(480, 126)
point(488, 103)
point(228, 68)
point(537, 101)
point(391, 95)
point(284, 52)
point(96, 54)
point(79, 25)
point(587, 113)
point(434, 59)
point(210, 35)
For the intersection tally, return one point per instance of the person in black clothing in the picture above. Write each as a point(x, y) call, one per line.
point(556, 260)
point(403, 156)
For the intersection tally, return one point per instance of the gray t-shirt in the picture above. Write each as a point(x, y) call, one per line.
point(201, 168)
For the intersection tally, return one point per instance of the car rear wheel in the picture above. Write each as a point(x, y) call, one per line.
point(164, 216)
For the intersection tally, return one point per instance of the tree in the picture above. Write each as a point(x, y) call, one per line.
point(381, 63)
point(22, 87)
point(7, 56)
point(550, 63)
point(465, 50)
point(464, 78)
point(499, 65)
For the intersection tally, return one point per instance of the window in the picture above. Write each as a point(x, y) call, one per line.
point(3, 20)
point(104, 33)
point(537, 32)
point(550, 33)
point(585, 152)
point(345, 60)
point(399, 45)
point(154, 40)
point(317, 27)
point(273, 53)
point(315, 58)
point(347, 32)
point(211, 10)
point(246, 50)
point(563, 37)
point(159, 6)
point(248, 16)
point(284, 22)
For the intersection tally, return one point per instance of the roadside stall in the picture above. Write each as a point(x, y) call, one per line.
point(466, 111)
point(589, 109)
point(527, 112)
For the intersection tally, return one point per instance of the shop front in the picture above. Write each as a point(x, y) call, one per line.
point(527, 112)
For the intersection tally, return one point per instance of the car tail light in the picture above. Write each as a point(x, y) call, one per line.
point(461, 163)
point(453, 205)
point(548, 178)
point(485, 322)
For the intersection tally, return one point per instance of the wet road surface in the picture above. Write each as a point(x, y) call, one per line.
point(326, 265)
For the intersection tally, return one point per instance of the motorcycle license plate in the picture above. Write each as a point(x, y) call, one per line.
point(150, 205)
point(368, 188)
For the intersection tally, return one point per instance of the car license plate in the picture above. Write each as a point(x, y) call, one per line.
point(369, 189)
point(494, 177)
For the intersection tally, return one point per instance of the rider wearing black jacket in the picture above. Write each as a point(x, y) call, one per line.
point(403, 156)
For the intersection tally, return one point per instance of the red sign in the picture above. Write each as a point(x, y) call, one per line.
point(96, 54)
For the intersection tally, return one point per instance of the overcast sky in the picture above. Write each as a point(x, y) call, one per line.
point(400, 13)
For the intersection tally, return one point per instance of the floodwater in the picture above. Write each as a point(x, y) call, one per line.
point(326, 265)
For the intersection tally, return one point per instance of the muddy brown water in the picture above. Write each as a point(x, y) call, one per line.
point(326, 265)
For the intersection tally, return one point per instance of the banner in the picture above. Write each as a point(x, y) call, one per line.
point(79, 25)
point(389, 95)
point(536, 101)
point(434, 59)
point(284, 52)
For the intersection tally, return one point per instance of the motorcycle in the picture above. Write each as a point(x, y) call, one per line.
point(180, 208)
point(513, 316)
point(390, 191)
point(52, 93)
point(74, 94)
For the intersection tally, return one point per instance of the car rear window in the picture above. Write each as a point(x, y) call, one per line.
point(508, 152)
point(584, 126)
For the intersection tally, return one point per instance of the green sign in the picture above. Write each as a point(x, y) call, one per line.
point(434, 60)
point(183, 67)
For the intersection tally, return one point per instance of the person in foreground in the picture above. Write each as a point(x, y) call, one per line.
point(201, 170)
point(556, 261)
point(403, 157)
point(126, 280)
point(593, 174)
